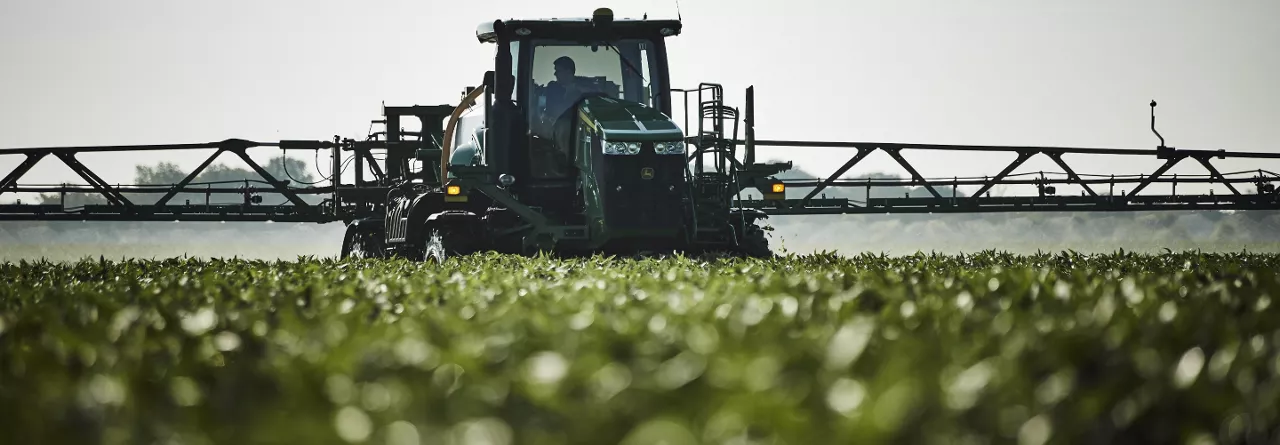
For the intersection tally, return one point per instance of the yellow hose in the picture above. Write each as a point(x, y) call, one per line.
point(447, 147)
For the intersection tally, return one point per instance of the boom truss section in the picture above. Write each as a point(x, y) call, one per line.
point(125, 202)
point(377, 162)
point(714, 133)
point(1248, 190)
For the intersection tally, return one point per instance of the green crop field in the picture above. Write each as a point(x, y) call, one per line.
point(814, 349)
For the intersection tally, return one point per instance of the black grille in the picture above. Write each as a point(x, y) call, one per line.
point(633, 202)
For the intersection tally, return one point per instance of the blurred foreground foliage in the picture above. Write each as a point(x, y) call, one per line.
point(981, 348)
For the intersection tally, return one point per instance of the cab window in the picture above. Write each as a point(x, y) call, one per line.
point(562, 71)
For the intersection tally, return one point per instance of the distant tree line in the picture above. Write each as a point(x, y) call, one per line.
point(292, 171)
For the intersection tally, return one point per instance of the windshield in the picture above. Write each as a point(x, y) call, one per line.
point(562, 71)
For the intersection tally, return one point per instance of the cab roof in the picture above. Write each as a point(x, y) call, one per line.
point(488, 32)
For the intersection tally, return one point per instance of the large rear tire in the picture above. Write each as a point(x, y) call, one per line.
point(433, 250)
point(362, 243)
point(441, 244)
point(754, 243)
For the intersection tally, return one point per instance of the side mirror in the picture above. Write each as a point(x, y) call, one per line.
point(488, 80)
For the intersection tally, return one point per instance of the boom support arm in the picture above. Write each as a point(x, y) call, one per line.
point(709, 137)
point(1265, 197)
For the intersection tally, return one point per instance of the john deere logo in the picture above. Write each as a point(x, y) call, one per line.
point(646, 173)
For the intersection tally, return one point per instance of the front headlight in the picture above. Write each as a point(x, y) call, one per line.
point(669, 148)
point(621, 148)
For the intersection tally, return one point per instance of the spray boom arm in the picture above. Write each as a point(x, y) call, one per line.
point(714, 134)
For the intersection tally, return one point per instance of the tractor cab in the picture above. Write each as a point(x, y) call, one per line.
point(569, 96)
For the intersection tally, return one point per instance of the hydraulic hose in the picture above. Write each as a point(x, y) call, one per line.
point(447, 147)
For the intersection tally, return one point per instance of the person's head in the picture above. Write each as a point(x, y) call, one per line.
point(565, 69)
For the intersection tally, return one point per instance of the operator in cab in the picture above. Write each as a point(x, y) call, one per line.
point(559, 96)
point(563, 92)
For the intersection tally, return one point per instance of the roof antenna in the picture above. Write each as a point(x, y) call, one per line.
point(678, 18)
point(1153, 125)
point(1162, 152)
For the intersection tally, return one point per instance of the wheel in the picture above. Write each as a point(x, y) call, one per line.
point(754, 243)
point(361, 243)
point(433, 249)
point(441, 244)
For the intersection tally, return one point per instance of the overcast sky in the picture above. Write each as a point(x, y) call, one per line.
point(1076, 73)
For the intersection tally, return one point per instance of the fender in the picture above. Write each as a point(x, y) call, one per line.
point(420, 208)
point(366, 224)
point(448, 217)
point(426, 209)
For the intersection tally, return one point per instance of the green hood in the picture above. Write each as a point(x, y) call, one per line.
point(622, 121)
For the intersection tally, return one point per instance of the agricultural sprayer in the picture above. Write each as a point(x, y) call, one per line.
point(569, 145)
